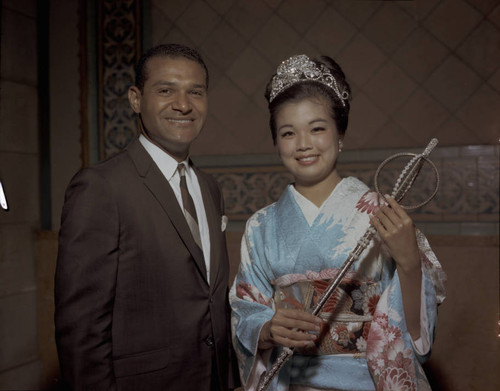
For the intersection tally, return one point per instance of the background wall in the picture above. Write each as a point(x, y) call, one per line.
point(419, 69)
point(20, 175)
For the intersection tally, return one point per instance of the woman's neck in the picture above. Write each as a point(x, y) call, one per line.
point(318, 193)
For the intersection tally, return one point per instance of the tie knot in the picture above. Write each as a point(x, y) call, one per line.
point(182, 169)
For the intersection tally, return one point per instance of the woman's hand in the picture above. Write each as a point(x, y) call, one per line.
point(396, 229)
point(289, 327)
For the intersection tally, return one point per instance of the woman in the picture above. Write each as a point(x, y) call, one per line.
point(378, 326)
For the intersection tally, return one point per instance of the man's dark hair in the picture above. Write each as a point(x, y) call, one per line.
point(172, 50)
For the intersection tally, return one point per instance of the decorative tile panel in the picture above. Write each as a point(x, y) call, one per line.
point(249, 190)
point(468, 192)
point(118, 51)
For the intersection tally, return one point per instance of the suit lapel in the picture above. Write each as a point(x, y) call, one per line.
point(162, 191)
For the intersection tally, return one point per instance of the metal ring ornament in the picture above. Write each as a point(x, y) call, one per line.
point(415, 164)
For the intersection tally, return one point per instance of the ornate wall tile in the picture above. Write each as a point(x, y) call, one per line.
point(488, 185)
point(247, 192)
point(119, 48)
point(468, 183)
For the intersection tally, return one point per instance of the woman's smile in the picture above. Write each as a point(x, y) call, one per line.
point(308, 144)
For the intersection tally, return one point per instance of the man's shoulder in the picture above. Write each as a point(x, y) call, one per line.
point(113, 162)
point(113, 169)
point(122, 160)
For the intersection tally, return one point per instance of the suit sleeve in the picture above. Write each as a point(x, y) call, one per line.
point(85, 283)
point(233, 375)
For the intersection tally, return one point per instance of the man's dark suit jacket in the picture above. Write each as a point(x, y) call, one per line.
point(134, 310)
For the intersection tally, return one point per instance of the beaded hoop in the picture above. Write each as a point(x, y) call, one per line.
point(409, 174)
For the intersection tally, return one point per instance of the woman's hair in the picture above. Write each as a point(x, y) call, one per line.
point(337, 93)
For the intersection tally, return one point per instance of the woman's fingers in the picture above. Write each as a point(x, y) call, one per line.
point(392, 218)
point(395, 206)
point(297, 319)
point(397, 213)
point(294, 328)
point(375, 220)
point(397, 230)
point(287, 337)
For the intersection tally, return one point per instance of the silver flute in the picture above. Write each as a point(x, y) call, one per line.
point(403, 184)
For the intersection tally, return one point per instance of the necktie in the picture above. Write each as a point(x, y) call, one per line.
point(189, 209)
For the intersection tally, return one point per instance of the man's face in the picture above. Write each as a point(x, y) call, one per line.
point(173, 105)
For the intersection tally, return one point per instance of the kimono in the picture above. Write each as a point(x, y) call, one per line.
point(286, 262)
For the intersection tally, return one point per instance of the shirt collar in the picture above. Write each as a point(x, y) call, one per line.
point(166, 163)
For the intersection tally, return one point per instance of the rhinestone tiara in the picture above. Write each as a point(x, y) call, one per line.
point(300, 68)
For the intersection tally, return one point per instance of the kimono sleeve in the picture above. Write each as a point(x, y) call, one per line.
point(251, 298)
point(390, 352)
point(433, 292)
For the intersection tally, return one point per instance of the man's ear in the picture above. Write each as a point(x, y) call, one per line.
point(134, 98)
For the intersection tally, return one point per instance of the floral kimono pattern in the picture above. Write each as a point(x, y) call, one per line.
point(287, 263)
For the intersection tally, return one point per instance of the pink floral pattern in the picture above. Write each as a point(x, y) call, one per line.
point(395, 379)
point(248, 292)
point(371, 304)
point(390, 363)
point(342, 337)
point(291, 300)
point(355, 299)
point(370, 202)
point(367, 297)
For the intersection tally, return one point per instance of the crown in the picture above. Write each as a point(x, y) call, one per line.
point(300, 68)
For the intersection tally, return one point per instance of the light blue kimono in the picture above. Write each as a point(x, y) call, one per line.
point(285, 262)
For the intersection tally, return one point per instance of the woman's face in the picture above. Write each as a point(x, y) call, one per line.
point(308, 141)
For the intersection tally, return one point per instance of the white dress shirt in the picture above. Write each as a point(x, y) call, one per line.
point(168, 166)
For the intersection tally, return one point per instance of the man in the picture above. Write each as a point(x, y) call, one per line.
point(141, 291)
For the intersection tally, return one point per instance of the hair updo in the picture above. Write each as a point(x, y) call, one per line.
point(305, 89)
